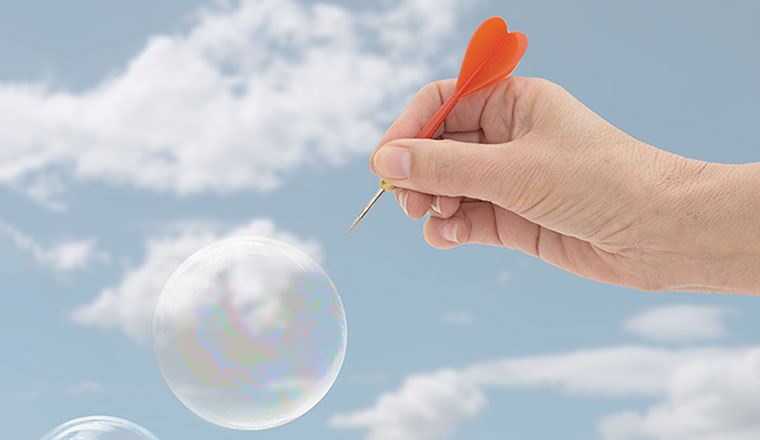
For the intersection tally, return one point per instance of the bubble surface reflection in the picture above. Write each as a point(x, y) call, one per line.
point(99, 428)
point(249, 333)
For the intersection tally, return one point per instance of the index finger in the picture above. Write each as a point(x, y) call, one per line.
point(464, 117)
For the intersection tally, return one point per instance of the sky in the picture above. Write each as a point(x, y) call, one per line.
point(133, 133)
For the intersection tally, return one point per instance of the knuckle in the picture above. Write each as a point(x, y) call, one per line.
point(426, 89)
point(432, 94)
point(542, 84)
point(514, 84)
point(429, 91)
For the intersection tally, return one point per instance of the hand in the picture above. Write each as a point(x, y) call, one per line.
point(526, 166)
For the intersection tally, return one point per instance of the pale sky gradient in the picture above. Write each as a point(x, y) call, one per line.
point(133, 133)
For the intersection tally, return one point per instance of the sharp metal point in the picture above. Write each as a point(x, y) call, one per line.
point(365, 210)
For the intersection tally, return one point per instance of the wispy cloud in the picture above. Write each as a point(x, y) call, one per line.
point(34, 391)
point(457, 317)
point(62, 256)
point(39, 389)
point(679, 323)
point(425, 407)
point(85, 387)
point(253, 91)
point(430, 406)
point(708, 398)
point(128, 306)
point(504, 277)
point(699, 393)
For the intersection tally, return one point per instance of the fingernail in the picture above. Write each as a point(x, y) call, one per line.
point(449, 231)
point(393, 162)
point(436, 205)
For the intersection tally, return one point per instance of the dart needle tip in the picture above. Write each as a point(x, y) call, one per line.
point(350, 228)
point(364, 211)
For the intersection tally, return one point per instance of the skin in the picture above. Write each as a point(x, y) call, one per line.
point(526, 166)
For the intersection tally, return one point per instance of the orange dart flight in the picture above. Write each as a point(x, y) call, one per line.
point(492, 54)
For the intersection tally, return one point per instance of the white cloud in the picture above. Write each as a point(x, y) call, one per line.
point(129, 305)
point(426, 407)
point(62, 256)
point(44, 189)
point(604, 372)
point(709, 398)
point(85, 387)
point(617, 371)
point(457, 317)
point(705, 394)
point(253, 91)
point(697, 393)
point(679, 323)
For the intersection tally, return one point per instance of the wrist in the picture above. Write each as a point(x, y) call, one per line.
point(718, 223)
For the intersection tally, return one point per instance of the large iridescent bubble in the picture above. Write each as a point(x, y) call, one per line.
point(98, 428)
point(249, 333)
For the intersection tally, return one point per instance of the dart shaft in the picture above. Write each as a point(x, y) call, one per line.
point(439, 116)
point(365, 210)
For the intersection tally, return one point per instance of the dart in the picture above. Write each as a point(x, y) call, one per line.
point(491, 55)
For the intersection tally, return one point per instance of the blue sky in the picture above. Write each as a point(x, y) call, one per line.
point(131, 133)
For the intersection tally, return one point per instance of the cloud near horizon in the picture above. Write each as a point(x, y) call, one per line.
point(679, 323)
point(698, 393)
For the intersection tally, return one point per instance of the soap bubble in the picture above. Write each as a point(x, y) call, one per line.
point(98, 428)
point(249, 333)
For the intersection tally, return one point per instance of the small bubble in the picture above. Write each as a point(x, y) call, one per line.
point(99, 428)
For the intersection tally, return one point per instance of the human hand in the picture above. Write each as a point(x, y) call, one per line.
point(526, 166)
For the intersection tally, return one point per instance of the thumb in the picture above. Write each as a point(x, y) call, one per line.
point(450, 168)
